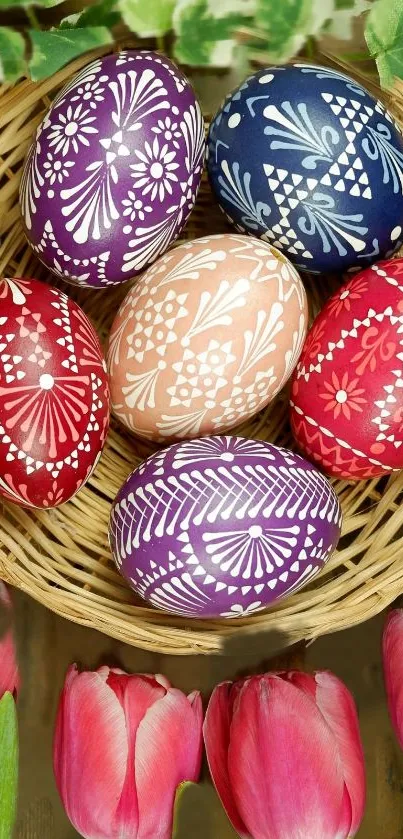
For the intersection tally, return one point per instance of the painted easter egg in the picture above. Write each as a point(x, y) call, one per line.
point(347, 391)
point(306, 158)
point(206, 337)
point(222, 526)
point(114, 169)
point(54, 395)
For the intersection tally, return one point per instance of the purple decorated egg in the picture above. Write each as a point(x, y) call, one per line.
point(114, 169)
point(222, 526)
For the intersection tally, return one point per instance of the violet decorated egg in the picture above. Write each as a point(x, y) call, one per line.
point(206, 337)
point(222, 526)
point(54, 395)
point(114, 169)
point(347, 390)
point(306, 158)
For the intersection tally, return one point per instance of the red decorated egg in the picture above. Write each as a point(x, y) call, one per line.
point(347, 390)
point(54, 397)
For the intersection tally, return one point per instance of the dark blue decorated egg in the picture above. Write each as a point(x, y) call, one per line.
point(305, 158)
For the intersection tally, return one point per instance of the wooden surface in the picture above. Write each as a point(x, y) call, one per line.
point(47, 644)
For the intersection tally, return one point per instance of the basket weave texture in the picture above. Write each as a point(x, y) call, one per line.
point(61, 557)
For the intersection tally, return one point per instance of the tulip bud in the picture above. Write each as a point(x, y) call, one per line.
point(285, 756)
point(9, 674)
point(123, 744)
point(392, 655)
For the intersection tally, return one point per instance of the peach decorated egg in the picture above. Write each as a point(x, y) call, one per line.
point(54, 395)
point(206, 337)
point(347, 390)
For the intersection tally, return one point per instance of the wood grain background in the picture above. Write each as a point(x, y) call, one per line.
point(47, 644)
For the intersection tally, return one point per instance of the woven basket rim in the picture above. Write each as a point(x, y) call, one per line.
point(67, 567)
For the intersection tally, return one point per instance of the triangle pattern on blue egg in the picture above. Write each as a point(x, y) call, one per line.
point(289, 189)
point(346, 173)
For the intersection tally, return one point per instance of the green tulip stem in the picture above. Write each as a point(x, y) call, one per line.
point(8, 764)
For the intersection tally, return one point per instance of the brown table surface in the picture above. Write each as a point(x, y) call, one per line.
point(47, 644)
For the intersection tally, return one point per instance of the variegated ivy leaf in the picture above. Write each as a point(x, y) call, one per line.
point(8, 764)
point(205, 30)
point(54, 48)
point(341, 22)
point(287, 25)
point(45, 4)
point(12, 52)
point(99, 14)
point(148, 18)
point(384, 36)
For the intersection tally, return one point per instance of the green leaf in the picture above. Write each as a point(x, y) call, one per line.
point(44, 4)
point(205, 30)
point(288, 24)
point(180, 793)
point(52, 49)
point(99, 14)
point(344, 4)
point(8, 764)
point(341, 23)
point(148, 18)
point(384, 36)
point(12, 52)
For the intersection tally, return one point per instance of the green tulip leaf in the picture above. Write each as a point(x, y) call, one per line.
point(8, 764)
point(54, 48)
point(205, 30)
point(384, 37)
point(12, 54)
point(148, 18)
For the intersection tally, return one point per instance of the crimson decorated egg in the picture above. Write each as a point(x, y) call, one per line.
point(54, 397)
point(114, 169)
point(222, 526)
point(347, 390)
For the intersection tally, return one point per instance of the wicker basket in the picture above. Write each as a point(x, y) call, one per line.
point(61, 557)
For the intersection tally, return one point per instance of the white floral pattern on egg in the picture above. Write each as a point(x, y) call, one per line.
point(206, 338)
point(114, 170)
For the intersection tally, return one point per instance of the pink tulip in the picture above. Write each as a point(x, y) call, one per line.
point(9, 675)
point(285, 756)
point(123, 744)
point(392, 654)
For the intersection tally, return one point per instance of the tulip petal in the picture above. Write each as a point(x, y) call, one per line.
point(168, 751)
point(338, 708)
point(137, 694)
point(392, 653)
point(284, 766)
point(9, 673)
point(301, 680)
point(90, 753)
point(216, 730)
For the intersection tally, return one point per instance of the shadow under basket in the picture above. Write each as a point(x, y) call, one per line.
point(61, 557)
